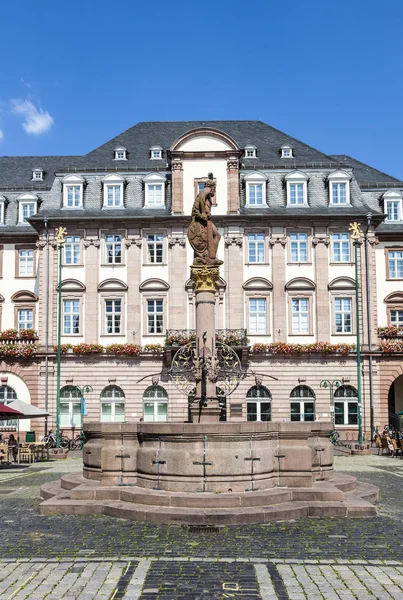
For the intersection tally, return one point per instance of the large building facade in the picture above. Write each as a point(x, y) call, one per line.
point(285, 300)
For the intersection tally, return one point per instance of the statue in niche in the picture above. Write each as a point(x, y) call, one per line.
point(203, 235)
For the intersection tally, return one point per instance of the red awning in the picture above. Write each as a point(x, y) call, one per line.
point(9, 413)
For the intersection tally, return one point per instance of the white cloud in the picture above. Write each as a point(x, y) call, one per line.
point(36, 120)
point(1, 135)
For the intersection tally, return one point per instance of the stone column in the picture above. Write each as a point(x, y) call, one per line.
point(232, 186)
point(177, 187)
point(279, 247)
point(91, 323)
point(206, 406)
point(321, 243)
point(234, 277)
point(133, 311)
point(177, 277)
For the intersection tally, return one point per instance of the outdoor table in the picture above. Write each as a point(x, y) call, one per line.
point(3, 453)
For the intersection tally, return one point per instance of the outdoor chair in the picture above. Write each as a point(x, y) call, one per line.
point(378, 443)
point(26, 454)
point(396, 448)
point(385, 446)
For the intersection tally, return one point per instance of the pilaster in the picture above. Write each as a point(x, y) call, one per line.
point(278, 244)
point(91, 323)
point(233, 185)
point(177, 268)
point(233, 263)
point(133, 245)
point(177, 186)
point(321, 242)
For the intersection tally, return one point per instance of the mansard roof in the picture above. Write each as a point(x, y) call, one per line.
point(364, 174)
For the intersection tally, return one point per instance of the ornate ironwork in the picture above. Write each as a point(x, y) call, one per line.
point(224, 368)
point(231, 337)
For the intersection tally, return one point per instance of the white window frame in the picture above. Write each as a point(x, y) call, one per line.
point(26, 200)
point(155, 395)
point(339, 242)
point(113, 245)
point(73, 398)
point(155, 248)
point(2, 210)
point(302, 399)
point(258, 395)
point(298, 243)
point(71, 315)
point(114, 399)
point(301, 315)
point(395, 260)
point(115, 182)
point(339, 177)
point(254, 179)
point(37, 174)
point(120, 153)
point(155, 318)
point(392, 197)
point(25, 323)
point(346, 315)
point(114, 316)
point(25, 261)
point(154, 179)
point(345, 400)
point(398, 320)
point(297, 178)
point(155, 153)
point(287, 151)
point(257, 317)
point(73, 242)
point(256, 243)
point(250, 151)
point(73, 181)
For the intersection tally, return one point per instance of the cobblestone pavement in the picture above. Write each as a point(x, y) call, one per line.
point(100, 557)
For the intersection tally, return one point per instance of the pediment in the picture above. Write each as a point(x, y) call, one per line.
point(392, 195)
point(27, 197)
point(394, 298)
point(300, 283)
point(258, 283)
point(296, 175)
point(73, 179)
point(113, 177)
point(154, 177)
point(154, 285)
point(72, 285)
point(342, 283)
point(112, 285)
point(24, 296)
point(255, 176)
point(204, 139)
point(342, 175)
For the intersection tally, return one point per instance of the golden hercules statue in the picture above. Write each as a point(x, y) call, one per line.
point(203, 235)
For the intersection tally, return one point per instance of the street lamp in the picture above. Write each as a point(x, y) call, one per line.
point(356, 235)
point(326, 383)
point(60, 240)
point(85, 389)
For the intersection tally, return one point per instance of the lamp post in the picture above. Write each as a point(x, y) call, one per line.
point(60, 240)
point(326, 383)
point(356, 235)
point(85, 389)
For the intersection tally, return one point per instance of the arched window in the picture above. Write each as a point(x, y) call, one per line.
point(155, 401)
point(7, 393)
point(345, 405)
point(70, 407)
point(302, 401)
point(112, 405)
point(258, 404)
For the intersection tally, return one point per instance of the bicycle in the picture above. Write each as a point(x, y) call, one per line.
point(334, 437)
point(50, 440)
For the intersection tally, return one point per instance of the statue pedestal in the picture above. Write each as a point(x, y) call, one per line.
point(210, 413)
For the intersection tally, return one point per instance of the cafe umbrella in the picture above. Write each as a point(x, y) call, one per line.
point(25, 411)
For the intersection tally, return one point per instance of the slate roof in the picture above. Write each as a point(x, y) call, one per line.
point(363, 173)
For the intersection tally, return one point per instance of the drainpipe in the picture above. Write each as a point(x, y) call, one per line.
point(45, 222)
point(369, 312)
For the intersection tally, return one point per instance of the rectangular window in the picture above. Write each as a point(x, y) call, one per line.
point(155, 194)
point(396, 317)
point(255, 193)
point(71, 317)
point(73, 196)
point(113, 195)
point(155, 246)
point(300, 315)
point(72, 250)
point(26, 263)
point(155, 316)
point(346, 413)
point(393, 211)
point(258, 411)
point(395, 264)
point(256, 248)
point(299, 247)
point(113, 316)
point(1, 212)
point(341, 247)
point(113, 249)
point(302, 411)
point(26, 211)
point(25, 319)
point(257, 315)
point(343, 315)
point(296, 193)
point(339, 193)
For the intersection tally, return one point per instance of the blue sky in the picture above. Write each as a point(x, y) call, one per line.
point(75, 74)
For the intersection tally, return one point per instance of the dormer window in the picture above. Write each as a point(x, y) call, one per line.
point(255, 189)
point(250, 151)
point(339, 188)
point(27, 207)
point(393, 206)
point(73, 186)
point(297, 193)
point(120, 153)
point(287, 151)
point(156, 153)
point(37, 175)
point(2, 209)
point(154, 190)
point(113, 191)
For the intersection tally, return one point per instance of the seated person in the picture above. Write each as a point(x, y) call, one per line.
point(13, 447)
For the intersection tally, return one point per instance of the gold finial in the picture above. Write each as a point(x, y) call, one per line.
point(355, 230)
point(60, 233)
